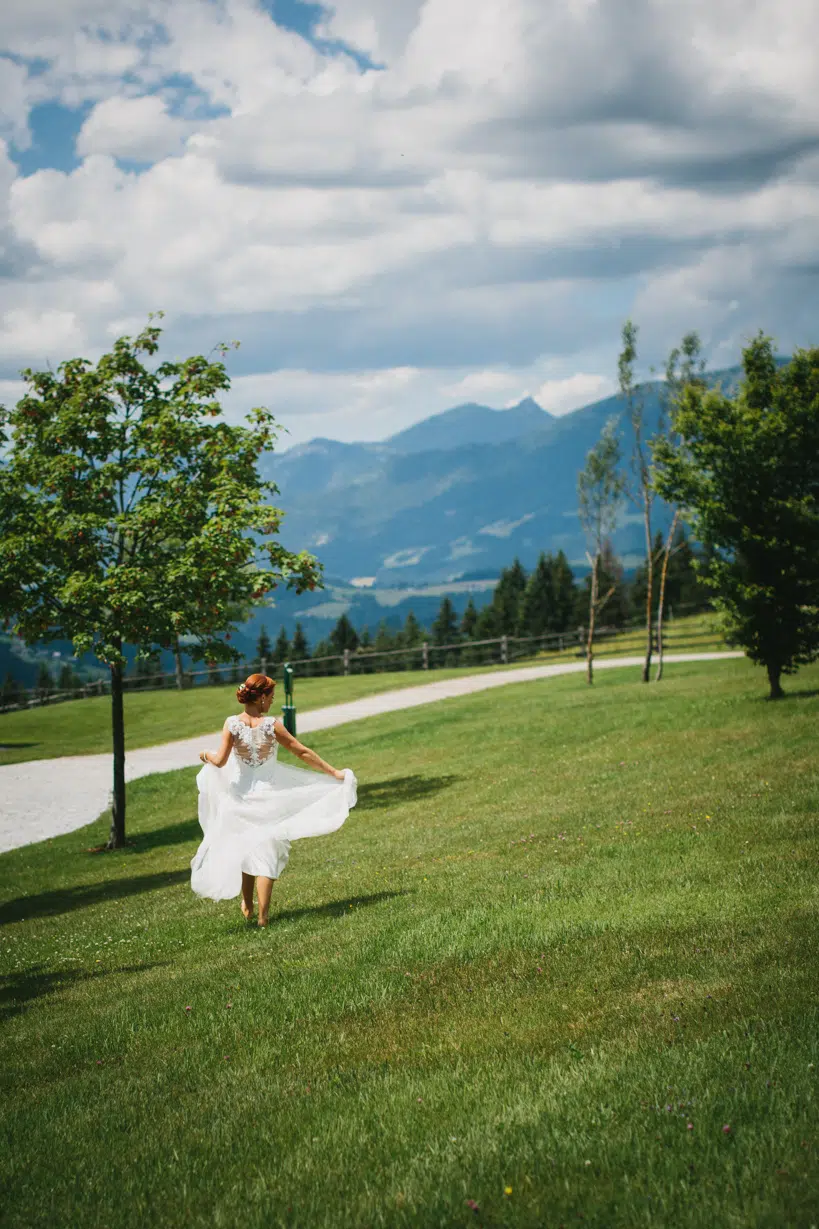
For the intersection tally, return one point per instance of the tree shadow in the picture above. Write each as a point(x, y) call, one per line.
point(18, 746)
point(18, 990)
point(172, 834)
point(802, 693)
point(65, 900)
point(380, 795)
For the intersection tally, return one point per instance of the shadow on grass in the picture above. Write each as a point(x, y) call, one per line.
point(331, 909)
point(65, 900)
point(18, 990)
point(173, 834)
point(18, 746)
point(379, 795)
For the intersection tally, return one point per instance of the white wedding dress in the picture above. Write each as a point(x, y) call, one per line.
point(252, 808)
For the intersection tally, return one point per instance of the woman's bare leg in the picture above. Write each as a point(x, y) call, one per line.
point(247, 894)
point(264, 888)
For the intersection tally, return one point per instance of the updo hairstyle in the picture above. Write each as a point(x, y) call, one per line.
point(253, 688)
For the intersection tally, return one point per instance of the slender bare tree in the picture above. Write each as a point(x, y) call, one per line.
point(685, 366)
point(641, 487)
point(599, 495)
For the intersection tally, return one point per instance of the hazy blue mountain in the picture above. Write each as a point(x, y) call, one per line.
point(423, 508)
point(470, 424)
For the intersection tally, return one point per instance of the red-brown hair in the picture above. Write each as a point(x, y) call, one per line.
point(253, 688)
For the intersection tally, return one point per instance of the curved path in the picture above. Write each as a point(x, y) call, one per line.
point(45, 798)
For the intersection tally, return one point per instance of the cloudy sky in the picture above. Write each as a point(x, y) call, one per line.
point(399, 205)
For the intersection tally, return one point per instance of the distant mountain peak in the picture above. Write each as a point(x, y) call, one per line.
point(468, 424)
point(529, 404)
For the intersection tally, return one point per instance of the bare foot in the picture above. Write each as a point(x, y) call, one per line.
point(262, 921)
point(247, 913)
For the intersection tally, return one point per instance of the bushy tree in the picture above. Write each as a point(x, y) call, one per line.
point(299, 649)
point(746, 472)
point(563, 590)
point(445, 627)
point(412, 632)
point(264, 646)
point(507, 598)
point(45, 680)
point(385, 642)
point(12, 690)
point(537, 612)
point(487, 626)
point(344, 636)
point(133, 514)
point(281, 649)
point(469, 621)
point(67, 680)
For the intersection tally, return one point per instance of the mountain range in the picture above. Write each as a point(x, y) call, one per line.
point(438, 508)
point(455, 496)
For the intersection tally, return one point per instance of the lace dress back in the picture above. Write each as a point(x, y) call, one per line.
point(254, 745)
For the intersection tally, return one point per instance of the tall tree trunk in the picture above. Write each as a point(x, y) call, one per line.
point(774, 674)
point(661, 597)
point(592, 612)
point(180, 673)
point(649, 591)
point(117, 838)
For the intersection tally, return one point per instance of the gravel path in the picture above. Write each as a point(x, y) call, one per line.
point(45, 798)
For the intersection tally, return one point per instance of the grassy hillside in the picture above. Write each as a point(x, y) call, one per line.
point(82, 727)
point(558, 968)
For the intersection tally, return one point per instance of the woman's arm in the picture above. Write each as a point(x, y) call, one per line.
point(221, 757)
point(307, 756)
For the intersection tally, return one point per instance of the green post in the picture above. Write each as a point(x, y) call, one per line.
point(289, 708)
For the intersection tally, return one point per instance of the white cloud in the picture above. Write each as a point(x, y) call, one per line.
point(133, 128)
point(561, 396)
point(473, 222)
point(22, 332)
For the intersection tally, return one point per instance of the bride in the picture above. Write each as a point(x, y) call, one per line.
point(251, 807)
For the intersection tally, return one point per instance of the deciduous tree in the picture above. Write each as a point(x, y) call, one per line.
point(134, 514)
point(747, 474)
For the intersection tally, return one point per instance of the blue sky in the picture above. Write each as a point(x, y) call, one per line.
point(397, 206)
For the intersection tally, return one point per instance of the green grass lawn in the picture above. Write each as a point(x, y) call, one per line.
point(567, 938)
point(82, 727)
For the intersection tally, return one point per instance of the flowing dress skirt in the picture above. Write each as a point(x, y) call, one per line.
point(249, 818)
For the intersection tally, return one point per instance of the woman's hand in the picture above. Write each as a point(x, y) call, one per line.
point(338, 774)
point(203, 755)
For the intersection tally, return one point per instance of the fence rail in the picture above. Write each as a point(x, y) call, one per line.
point(499, 651)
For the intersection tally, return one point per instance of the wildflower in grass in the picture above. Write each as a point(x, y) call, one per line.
point(188, 1009)
point(690, 1126)
point(507, 1190)
point(726, 1130)
point(471, 1203)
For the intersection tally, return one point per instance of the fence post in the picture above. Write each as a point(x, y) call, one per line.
point(346, 661)
point(425, 656)
point(504, 650)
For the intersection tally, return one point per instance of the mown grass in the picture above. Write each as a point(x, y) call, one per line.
point(83, 727)
point(567, 937)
